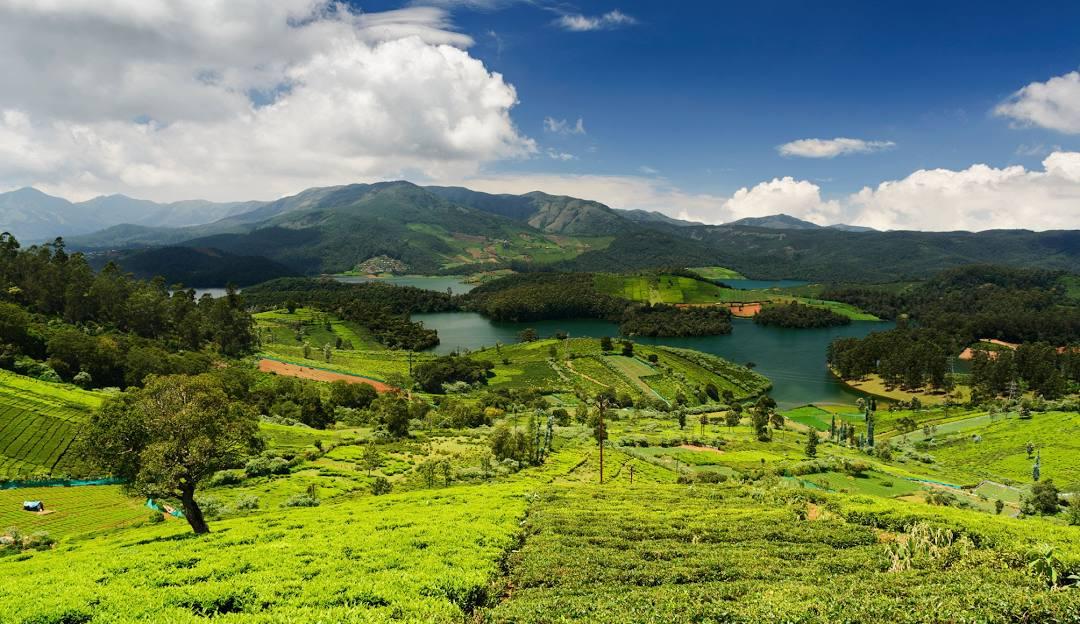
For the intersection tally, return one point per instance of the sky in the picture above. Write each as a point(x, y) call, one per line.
point(914, 115)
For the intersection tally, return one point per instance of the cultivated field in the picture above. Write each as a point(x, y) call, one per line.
point(38, 423)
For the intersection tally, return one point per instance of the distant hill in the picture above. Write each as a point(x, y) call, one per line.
point(457, 230)
point(843, 227)
point(33, 216)
point(652, 216)
point(777, 222)
point(196, 267)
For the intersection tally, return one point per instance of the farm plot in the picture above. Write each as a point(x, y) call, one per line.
point(426, 556)
point(71, 510)
point(740, 554)
point(39, 421)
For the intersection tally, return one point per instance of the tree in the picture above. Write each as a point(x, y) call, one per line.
point(811, 442)
point(528, 335)
point(327, 351)
point(1043, 499)
point(371, 458)
point(166, 438)
point(681, 415)
point(733, 416)
point(704, 421)
point(627, 348)
point(605, 343)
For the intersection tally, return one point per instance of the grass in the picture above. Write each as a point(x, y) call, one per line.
point(811, 416)
point(1000, 453)
point(71, 510)
point(426, 556)
point(39, 421)
point(676, 289)
point(875, 385)
point(738, 554)
point(717, 273)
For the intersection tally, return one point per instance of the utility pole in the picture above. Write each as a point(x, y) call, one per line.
point(631, 474)
point(601, 406)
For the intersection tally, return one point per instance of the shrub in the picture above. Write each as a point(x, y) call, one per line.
point(156, 517)
point(226, 477)
point(211, 507)
point(380, 486)
point(263, 466)
point(248, 502)
point(301, 500)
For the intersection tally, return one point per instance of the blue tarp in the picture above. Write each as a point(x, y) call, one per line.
point(33, 506)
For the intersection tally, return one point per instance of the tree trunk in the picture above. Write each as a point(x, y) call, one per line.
point(192, 512)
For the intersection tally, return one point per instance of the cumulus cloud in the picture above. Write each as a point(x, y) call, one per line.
point(240, 99)
point(562, 126)
point(1054, 104)
point(576, 22)
point(830, 148)
point(977, 198)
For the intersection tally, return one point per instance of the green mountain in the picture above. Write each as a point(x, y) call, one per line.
point(457, 230)
point(196, 267)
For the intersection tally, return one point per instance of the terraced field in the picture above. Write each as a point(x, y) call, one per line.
point(71, 511)
point(38, 423)
point(676, 289)
point(742, 554)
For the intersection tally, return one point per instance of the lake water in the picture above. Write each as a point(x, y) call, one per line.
point(455, 284)
point(794, 359)
point(749, 284)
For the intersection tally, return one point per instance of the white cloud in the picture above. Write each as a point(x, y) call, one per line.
point(1054, 104)
point(786, 195)
point(577, 22)
point(240, 99)
point(562, 126)
point(557, 155)
point(647, 170)
point(830, 148)
point(977, 198)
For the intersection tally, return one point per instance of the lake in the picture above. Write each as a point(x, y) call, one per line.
point(794, 359)
point(426, 282)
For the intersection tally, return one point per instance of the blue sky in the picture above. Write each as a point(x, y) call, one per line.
point(704, 92)
point(914, 115)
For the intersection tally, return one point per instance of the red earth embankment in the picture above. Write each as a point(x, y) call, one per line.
point(306, 372)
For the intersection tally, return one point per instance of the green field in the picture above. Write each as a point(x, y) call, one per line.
point(516, 244)
point(71, 510)
point(279, 328)
point(744, 554)
point(717, 273)
point(675, 289)
point(38, 423)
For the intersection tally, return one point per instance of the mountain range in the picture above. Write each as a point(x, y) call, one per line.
point(34, 216)
point(455, 230)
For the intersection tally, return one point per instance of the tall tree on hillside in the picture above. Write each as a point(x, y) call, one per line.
point(166, 438)
point(811, 442)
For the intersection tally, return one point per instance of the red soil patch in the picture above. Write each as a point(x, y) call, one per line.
point(701, 449)
point(306, 372)
point(745, 310)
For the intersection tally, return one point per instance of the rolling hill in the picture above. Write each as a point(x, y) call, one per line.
point(461, 231)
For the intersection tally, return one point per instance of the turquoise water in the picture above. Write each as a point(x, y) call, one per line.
point(794, 359)
point(749, 284)
point(455, 284)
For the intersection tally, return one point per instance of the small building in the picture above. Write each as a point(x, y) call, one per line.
point(33, 506)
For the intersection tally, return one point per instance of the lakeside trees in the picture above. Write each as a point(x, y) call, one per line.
point(798, 315)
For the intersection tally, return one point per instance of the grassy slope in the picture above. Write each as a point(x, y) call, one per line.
point(717, 273)
point(71, 510)
point(650, 551)
point(38, 423)
point(588, 368)
point(663, 288)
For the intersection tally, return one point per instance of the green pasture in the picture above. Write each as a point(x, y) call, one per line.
point(71, 511)
point(717, 273)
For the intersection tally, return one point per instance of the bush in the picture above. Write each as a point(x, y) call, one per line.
point(156, 517)
point(264, 466)
point(302, 500)
point(226, 477)
point(248, 502)
point(380, 486)
point(211, 507)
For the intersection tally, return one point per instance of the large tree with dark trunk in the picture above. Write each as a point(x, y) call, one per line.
point(166, 438)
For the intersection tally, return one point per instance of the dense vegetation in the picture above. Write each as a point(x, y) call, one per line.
point(797, 315)
point(61, 321)
point(959, 307)
point(382, 309)
point(536, 296)
point(195, 267)
point(668, 320)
